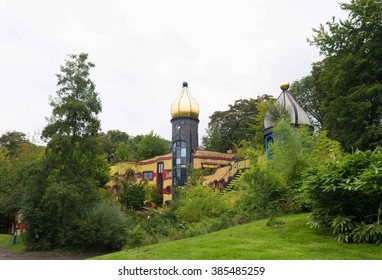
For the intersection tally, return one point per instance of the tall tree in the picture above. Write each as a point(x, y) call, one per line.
point(74, 165)
point(76, 106)
point(74, 144)
point(227, 129)
point(351, 74)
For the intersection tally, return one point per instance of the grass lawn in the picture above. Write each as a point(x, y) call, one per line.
point(6, 242)
point(293, 240)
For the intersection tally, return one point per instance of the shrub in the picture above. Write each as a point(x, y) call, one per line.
point(102, 228)
point(264, 192)
point(347, 197)
point(134, 236)
point(292, 152)
point(199, 202)
point(133, 195)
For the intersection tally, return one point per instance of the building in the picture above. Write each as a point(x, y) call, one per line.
point(170, 171)
point(298, 117)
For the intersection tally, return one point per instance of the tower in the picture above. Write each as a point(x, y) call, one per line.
point(185, 114)
point(297, 115)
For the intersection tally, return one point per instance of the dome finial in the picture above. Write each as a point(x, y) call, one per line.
point(185, 106)
point(284, 85)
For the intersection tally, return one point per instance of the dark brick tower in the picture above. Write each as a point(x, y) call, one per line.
point(185, 114)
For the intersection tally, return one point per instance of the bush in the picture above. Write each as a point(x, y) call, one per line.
point(347, 197)
point(199, 202)
point(133, 195)
point(102, 228)
point(265, 192)
point(134, 236)
point(292, 152)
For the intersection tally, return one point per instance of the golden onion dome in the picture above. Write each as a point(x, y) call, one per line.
point(185, 105)
point(284, 86)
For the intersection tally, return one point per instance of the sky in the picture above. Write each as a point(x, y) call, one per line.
point(143, 51)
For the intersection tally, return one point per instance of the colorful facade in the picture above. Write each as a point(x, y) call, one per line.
point(169, 171)
point(158, 171)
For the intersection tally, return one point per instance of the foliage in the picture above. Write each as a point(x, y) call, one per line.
point(15, 173)
point(152, 145)
point(347, 197)
point(122, 153)
point(197, 203)
point(351, 74)
point(325, 150)
point(196, 177)
point(42, 227)
point(307, 94)
point(277, 112)
point(154, 195)
point(65, 184)
point(12, 140)
point(133, 195)
point(122, 147)
point(110, 141)
point(228, 129)
point(101, 228)
point(276, 185)
point(264, 190)
point(134, 236)
point(74, 147)
point(76, 106)
point(291, 152)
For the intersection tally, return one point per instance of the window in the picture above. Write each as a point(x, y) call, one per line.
point(179, 163)
point(183, 152)
point(148, 175)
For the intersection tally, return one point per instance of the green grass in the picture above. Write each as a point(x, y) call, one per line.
point(6, 242)
point(293, 240)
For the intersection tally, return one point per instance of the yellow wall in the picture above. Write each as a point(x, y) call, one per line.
point(202, 159)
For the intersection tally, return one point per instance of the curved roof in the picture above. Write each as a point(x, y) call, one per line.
point(297, 115)
point(185, 105)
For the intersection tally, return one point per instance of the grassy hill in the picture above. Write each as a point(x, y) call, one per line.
point(292, 240)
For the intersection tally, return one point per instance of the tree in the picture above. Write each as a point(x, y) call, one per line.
point(227, 129)
point(122, 147)
point(122, 152)
point(74, 143)
point(74, 166)
point(111, 140)
point(351, 75)
point(15, 173)
point(11, 140)
point(152, 145)
point(76, 106)
point(308, 94)
point(133, 195)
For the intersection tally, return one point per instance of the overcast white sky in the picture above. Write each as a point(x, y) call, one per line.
point(144, 50)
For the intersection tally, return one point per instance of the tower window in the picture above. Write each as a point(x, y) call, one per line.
point(179, 163)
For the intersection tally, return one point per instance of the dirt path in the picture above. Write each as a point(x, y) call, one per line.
point(7, 254)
